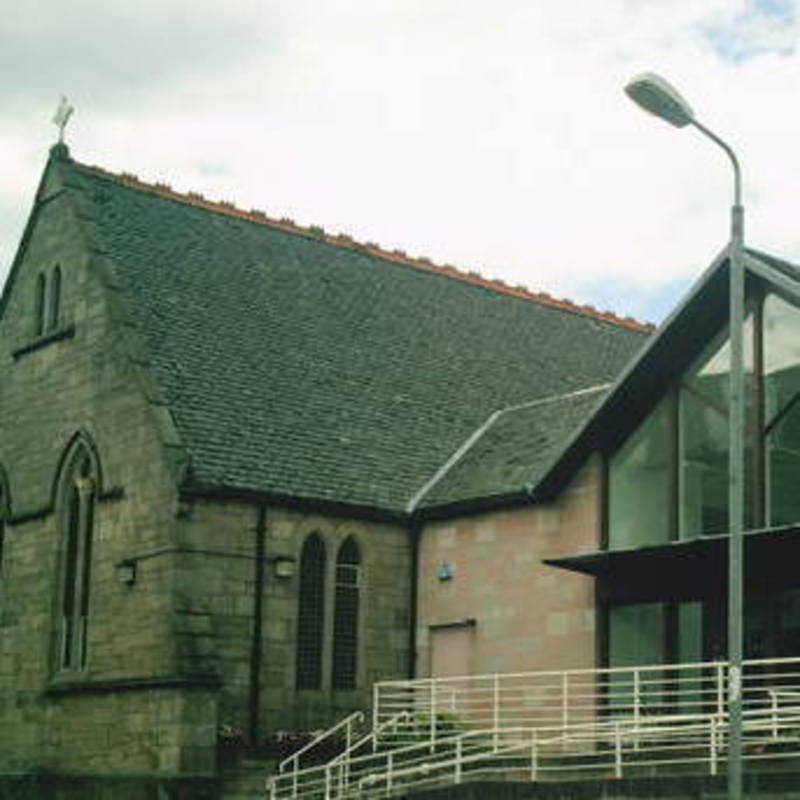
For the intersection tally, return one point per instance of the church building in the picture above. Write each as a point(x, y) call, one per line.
point(249, 469)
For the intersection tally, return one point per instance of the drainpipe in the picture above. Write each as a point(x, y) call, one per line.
point(254, 698)
point(415, 531)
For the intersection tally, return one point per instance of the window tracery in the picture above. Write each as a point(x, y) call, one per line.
point(345, 616)
point(79, 489)
point(311, 614)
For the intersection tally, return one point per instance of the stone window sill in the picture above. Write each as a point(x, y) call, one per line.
point(76, 684)
point(42, 341)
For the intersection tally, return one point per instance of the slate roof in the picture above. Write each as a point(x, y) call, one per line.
point(514, 450)
point(310, 367)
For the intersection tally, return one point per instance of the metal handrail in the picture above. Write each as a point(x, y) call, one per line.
point(707, 724)
point(373, 735)
point(406, 683)
point(347, 721)
point(658, 714)
point(708, 731)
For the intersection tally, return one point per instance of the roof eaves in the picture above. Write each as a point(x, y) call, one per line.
point(475, 505)
point(214, 491)
point(768, 273)
point(397, 257)
point(56, 155)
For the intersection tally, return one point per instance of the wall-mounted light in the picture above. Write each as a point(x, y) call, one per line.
point(283, 566)
point(446, 571)
point(126, 572)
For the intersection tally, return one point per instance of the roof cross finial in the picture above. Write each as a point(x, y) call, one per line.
point(61, 117)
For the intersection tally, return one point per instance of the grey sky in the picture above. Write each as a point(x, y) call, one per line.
point(495, 137)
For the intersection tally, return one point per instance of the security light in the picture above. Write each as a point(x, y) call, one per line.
point(126, 572)
point(654, 94)
point(283, 566)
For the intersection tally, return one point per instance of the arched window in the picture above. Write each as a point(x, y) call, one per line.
point(39, 301)
point(345, 616)
point(78, 490)
point(311, 614)
point(54, 299)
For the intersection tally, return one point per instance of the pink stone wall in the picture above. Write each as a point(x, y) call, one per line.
point(528, 616)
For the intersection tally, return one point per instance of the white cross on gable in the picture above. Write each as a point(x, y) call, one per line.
point(62, 115)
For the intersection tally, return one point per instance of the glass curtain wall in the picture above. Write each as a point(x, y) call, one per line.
point(703, 418)
point(669, 481)
point(782, 410)
point(639, 482)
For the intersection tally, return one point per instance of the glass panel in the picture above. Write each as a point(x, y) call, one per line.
point(789, 644)
point(635, 639)
point(639, 484)
point(690, 632)
point(345, 617)
point(636, 635)
point(783, 469)
point(757, 627)
point(782, 409)
point(310, 614)
point(703, 468)
point(703, 414)
point(693, 685)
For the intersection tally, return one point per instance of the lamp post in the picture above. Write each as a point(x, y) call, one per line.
point(655, 95)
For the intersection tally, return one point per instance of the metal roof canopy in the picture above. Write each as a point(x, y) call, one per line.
point(691, 567)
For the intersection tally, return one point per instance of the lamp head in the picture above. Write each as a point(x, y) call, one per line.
point(654, 94)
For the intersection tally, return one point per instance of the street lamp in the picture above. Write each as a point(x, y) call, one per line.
point(657, 96)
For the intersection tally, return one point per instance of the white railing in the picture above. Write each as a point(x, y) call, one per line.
point(553, 698)
point(348, 723)
point(557, 725)
point(372, 739)
point(618, 749)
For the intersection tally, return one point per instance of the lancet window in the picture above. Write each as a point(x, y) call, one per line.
point(345, 616)
point(78, 495)
point(311, 614)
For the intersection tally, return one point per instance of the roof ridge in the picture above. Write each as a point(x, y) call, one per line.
point(343, 240)
point(551, 398)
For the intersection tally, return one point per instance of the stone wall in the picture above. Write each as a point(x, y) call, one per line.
point(169, 657)
point(527, 616)
point(78, 377)
point(216, 586)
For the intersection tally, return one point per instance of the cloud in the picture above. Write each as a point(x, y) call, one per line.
point(761, 27)
point(496, 138)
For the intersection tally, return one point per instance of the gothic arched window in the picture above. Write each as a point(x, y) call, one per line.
point(78, 491)
point(311, 614)
point(39, 304)
point(345, 616)
point(54, 299)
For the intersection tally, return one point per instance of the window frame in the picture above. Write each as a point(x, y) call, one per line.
point(54, 300)
point(756, 434)
point(311, 600)
point(346, 634)
point(78, 487)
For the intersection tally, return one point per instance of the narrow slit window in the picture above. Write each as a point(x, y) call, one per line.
point(311, 614)
point(39, 304)
point(54, 299)
point(345, 617)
